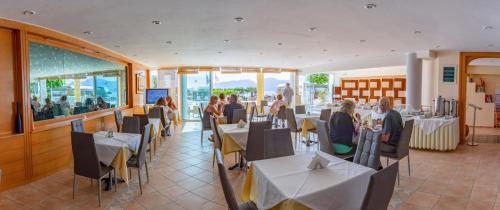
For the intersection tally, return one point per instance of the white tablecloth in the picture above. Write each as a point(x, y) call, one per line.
point(431, 124)
point(342, 185)
point(443, 138)
point(156, 123)
point(231, 135)
point(107, 148)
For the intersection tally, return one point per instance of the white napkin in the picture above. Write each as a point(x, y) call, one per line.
point(241, 124)
point(318, 162)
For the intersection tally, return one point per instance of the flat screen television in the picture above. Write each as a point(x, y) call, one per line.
point(152, 95)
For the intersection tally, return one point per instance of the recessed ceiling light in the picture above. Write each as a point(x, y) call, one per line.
point(437, 46)
point(88, 32)
point(491, 45)
point(176, 53)
point(261, 53)
point(117, 46)
point(135, 55)
point(156, 22)
point(239, 19)
point(29, 12)
point(324, 50)
point(356, 55)
point(219, 52)
point(311, 29)
point(486, 28)
point(299, 56)
point(330, 60)
point(370, 6)
point(417, 32)
point(279, 43)
point(362, 41)
point(168, 42)
point(227, 40)
point(393, 50)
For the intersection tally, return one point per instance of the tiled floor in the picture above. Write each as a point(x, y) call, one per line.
point(182, 177)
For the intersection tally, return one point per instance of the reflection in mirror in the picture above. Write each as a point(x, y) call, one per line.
point(64, 82)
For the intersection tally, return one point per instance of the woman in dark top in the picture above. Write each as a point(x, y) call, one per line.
point(343, 129)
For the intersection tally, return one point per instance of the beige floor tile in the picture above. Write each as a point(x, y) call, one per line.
point(423, 199)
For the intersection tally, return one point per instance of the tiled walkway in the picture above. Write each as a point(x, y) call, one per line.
point(182, 177)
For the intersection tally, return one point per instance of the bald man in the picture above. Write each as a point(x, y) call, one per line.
point(391, 126)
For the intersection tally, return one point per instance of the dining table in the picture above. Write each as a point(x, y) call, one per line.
point(307, 122)
point(288, 183)
point(114, 149)
point(234, 139)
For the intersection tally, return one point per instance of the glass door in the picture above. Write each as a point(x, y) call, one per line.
point(195, 91)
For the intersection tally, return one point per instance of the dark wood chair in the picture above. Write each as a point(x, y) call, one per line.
point(204, 126)
point(77, 126)
point(86, 162)
point(143, 121)
point(131, 125)
point(300, 109)
point(239, 114)
point(216, 137)
point(256, 142)
point(118, 120)
point(278, 143)
point(227, 189)
point(139, 160)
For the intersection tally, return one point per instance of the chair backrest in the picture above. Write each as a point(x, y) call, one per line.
point(200, 111)
point(323, 137)
point(325, 114)
point(404, 141)
point(146, 109)
point(253, 111)
point(155, 112)
point(77, 126)
point(278, 143)
point(291, 121)
point(141, 157)
point(380, 188)
point(131, 125)
point(118, 120)
point(255, 141)
point(143, 121)
point(368, 151)
point(232, 204)
point(282, 113)
point(85, 160)
point(215, 131)
point(270, 116)
point(239, 114)
point(300, 109)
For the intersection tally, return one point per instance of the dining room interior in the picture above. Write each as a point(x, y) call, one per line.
point(250, 105)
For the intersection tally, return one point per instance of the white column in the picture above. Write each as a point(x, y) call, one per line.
point(413, 82)
point(428, 81)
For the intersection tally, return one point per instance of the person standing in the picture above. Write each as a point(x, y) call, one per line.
point(288, 93)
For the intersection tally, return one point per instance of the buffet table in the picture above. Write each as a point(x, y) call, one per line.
point(435, 134)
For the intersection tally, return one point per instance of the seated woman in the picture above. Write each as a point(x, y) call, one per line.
point(343, 130)
point(64, 104)
point(101, 104)
point(210, 110)
point(160, 102)
point(170, 103)
point(277, 104)
point(48, 109)
point(222, 102)
point(89, 104)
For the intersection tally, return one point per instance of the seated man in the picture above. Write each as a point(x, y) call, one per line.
point(228, 108)
point(392, 125)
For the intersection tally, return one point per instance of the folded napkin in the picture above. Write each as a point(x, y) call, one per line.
point(241, 124)
point(318, 162)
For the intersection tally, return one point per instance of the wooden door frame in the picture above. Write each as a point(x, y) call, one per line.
point(465, 59)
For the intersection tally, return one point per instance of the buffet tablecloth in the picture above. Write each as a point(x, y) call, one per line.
point(115, 151)
point(287, 183)
point(444, 136)
point(234, 139)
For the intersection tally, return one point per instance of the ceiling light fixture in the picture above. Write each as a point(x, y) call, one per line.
point(437, 46)
point(261, 53)
point(168, 42)
point(176, 53)
point(279, 43)
point(29, 12)
point(219, 52)
point(227, 40)
point(311, 29)
point(356, 55)
point(486, 28)
point(324, 50)
point(362, 41)
point(417, 32)
point(491, 45)
point(117, 46)
point(370, 6)
point(88, 32)
point(239, 19)
point(156, 22)
point(393, 50)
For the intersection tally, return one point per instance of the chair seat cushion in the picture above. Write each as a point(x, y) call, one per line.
point(342, 149)
point(247, 206)
point(132, 161)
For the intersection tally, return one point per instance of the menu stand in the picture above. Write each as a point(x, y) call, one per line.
point(472, 143)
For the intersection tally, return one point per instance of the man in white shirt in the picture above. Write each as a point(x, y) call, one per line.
point(288, 94)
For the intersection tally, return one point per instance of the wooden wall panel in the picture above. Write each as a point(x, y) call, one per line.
point(12, 162)
point(371, 89)
point(7, 81)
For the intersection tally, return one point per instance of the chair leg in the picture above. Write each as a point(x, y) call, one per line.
point(201, 138)
point(140, 183)
point(115, 180)
point(213, 159)
point(74, 185)
point(129, 174)
point(147, 173)
point(387, 165)
point(99, 191)
point(409, 165)
point(398, 178)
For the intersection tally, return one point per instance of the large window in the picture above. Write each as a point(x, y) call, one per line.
point(195, 91)
point(64, 83)
point(316, 89)
point(274, 83)
point(242, 84)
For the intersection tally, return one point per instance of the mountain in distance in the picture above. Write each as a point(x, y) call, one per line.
point(270, 84)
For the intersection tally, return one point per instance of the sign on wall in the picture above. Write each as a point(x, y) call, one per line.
point(449, 74)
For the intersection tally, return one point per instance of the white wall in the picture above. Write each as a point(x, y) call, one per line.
point(445, 58)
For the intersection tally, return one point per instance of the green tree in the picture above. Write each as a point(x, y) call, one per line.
point(54, 83)
point(318, 79)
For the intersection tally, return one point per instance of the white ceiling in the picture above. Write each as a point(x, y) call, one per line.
point(197, 28)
